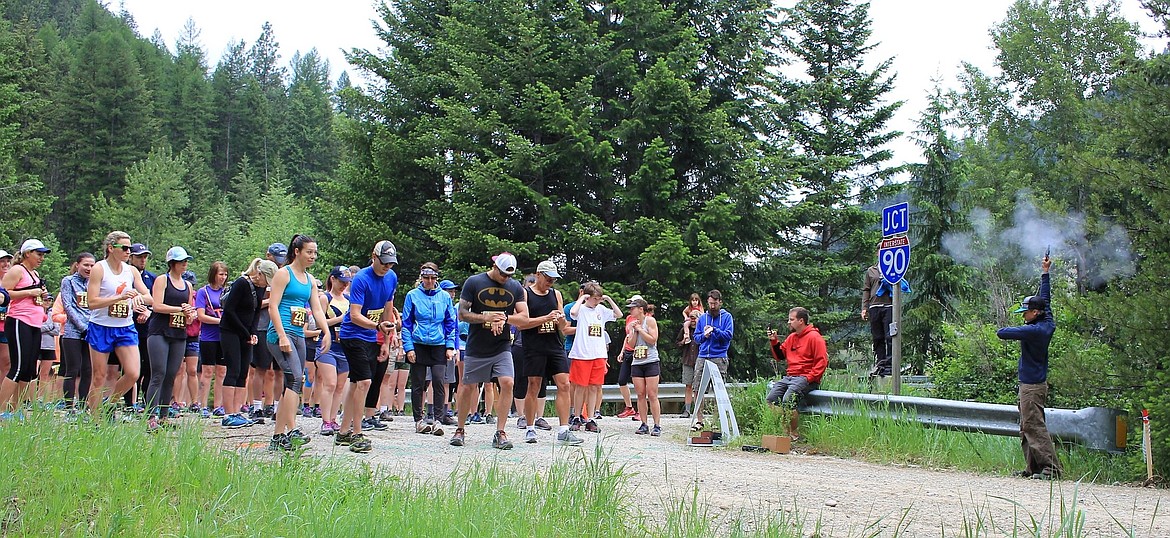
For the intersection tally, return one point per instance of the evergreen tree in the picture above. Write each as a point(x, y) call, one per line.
point(188, 95)
point(25, 205)
point(228, 83)
point(153, 206)
point(836, 116)
point(311, 152)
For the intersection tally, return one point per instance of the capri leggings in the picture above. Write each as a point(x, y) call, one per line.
point(77, 368)
point(435, 359)
point(237, 355)
point(291, 363)
point(24, 348)
point(166, 355)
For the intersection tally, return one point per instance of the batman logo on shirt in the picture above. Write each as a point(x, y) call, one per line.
point(496, 297)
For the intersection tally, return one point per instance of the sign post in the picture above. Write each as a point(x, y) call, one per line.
point(893, 261)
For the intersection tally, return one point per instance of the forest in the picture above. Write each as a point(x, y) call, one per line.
point(659, 147)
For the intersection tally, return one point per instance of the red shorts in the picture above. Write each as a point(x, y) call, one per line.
point(586, 372)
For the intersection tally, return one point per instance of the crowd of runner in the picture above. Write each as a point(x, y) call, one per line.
point(118, 341)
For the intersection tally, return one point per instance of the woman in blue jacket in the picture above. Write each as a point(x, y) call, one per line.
point(428, 338)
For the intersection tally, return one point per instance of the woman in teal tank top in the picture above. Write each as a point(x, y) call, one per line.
point(292, 290)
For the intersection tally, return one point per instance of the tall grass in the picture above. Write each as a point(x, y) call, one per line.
point(116, 480)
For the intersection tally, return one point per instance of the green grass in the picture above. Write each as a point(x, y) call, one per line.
point(869, 436)
point(116, 480)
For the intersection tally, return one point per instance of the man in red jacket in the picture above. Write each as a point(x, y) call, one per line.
point(804, 351)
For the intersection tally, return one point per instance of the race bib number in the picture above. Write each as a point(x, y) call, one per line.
point(487, 324)
point(376, 315)
point(120, 310)
point(547, 327)
point(178, 320)
point(640, 352)
point(83, 299)
point(297, 316)
point(3, 316)
point(595, 330)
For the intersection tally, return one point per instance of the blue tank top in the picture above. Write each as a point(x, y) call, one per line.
point(293, 314)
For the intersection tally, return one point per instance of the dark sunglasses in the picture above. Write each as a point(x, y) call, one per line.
point(121, 246)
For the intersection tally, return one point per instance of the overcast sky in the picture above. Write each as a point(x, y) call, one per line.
point(927, 39)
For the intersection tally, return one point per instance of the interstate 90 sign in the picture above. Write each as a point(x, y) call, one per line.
point(894, 258)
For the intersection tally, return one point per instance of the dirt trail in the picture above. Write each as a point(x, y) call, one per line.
point(847, 497)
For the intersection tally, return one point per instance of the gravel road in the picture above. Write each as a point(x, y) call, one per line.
point(848, 498)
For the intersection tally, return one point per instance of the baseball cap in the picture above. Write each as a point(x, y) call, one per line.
point(4, 254)
point(178, 254)
point(638, 301)
point(266, 268)
point(447, 285)
point(1032, 302)
point(138, 249)
point(279, 252)
point(385, 252)
point(505, 262)
point(548, 268)
point(341, 273)
point(31, 245)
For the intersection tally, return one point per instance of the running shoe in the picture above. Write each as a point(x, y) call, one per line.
point(343, 438)
point(298, 438)
point(422, 427)
point(656, 431)
point(219, 412)
point(233, 421)
point(386, 415)
point(450, 412)
point(177, 408)
point(316, 411)
point(597, 415)
point(280, 443)
point(437, 431)
point(542, 424)
point(592, 427)
point(360, 444)
point(457, 438)
point(372, 423)
point(270, 412)
point(306, 411)
point(476, 419)
point(643, 429)
point(500, 441)
point(521, 423)
point(629, 411)
point(205, 413)
point(447, 420)
point(153, 425)
point(327, 428)
point(567, 438)
point(685, 414)
point(489, 419)
point(636, 417)
point(530, 437)
point(575, 424)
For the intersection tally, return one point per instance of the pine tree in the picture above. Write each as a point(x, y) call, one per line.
point(188, 95)
point(311, 152)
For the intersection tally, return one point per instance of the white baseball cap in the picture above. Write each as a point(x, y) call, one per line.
point(33, 244)
point(178, 254)
point(505, 262)
point(4, 254)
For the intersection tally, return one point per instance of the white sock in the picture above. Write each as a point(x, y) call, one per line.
point(256, 404)
point(382, 409)
point(563, 429)
point(532, 428)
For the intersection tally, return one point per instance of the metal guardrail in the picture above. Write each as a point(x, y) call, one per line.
point(1097, 428)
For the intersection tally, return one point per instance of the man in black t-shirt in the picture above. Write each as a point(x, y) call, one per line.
point(489, 302)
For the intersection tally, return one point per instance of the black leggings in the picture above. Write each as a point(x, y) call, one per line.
point(166, 355)
point(376, 382)
point(77, 369)
point(24, 348)
point(435, 358)
point(237, 354)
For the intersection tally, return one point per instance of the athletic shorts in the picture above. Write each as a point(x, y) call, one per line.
point(650, 369)
point(545, 363)
point(261, 357)
point(586, 372)
point(48, 355)
point(210, 353)
point(311, 350)
point(362, 356)
point(105, 339)
point(192, 349)
point(335, 358)
point(398, 365)
point(485, 369)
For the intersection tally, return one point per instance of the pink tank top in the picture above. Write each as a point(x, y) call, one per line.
point(30, 310)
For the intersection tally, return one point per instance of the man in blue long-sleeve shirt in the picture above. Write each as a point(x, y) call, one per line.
point(1034, 336)
point(713, 334)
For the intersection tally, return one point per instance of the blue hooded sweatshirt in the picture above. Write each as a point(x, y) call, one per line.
point(427, 319)
point(716, 345)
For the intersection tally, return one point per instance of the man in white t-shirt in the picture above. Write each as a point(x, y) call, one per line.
point(589, 356)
